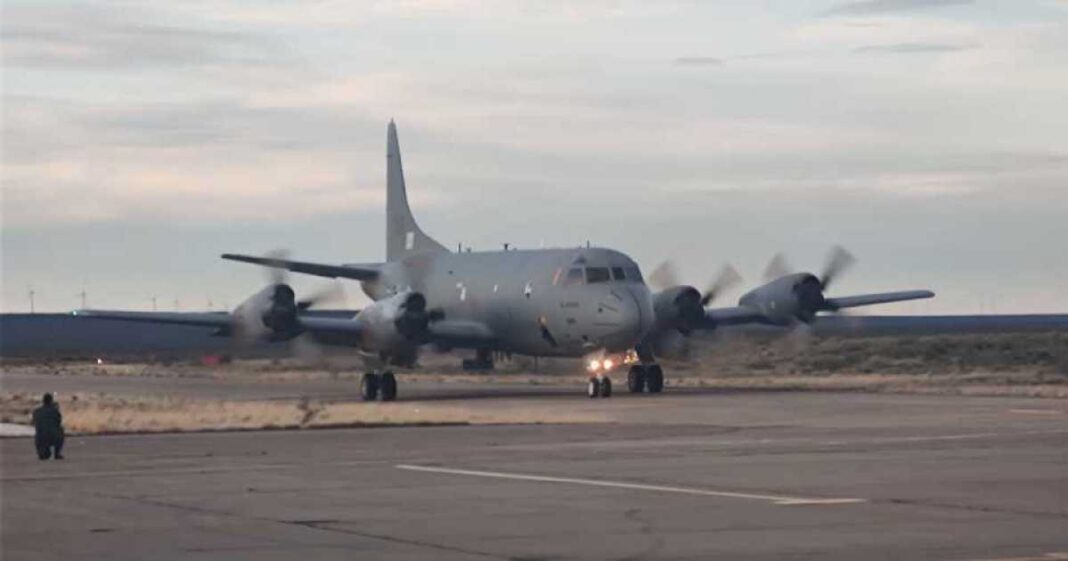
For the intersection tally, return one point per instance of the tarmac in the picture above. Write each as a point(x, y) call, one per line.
point(681, 475)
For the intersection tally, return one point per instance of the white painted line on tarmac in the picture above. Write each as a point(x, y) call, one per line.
point(781, 500)
point(1037, 411)
point(1041, 557)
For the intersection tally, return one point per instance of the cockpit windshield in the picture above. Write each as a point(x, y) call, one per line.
point(597, 274)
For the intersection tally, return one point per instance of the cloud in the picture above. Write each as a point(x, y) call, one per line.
point(699, 61)
point(99, 37)
point(870, 7)
point(910, 48)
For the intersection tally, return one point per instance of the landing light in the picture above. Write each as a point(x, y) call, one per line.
point(594, 365)
point(608, 364)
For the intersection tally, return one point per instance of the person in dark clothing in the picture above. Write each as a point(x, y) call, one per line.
point(48, 427)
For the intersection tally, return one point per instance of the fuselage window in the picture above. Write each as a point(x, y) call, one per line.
point(597, 274)
point(574, 276)
point(617, 274)
point(634, 274)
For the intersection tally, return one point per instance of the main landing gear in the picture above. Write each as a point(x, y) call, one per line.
point(372, 384)
point(642, 377)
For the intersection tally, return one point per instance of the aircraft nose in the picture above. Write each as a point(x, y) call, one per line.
point(627, 318)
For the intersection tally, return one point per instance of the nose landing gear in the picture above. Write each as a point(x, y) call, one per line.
point(599, 386)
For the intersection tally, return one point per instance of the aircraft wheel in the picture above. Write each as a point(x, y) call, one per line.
point(636, 379)
point(388, 386)
point(369, 386)
point(654, 378)
point(593, 388)
point(606, 387)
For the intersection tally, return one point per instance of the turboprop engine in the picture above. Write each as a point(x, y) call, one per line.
point(269, 315)
point(398, 323)
point(679, 307)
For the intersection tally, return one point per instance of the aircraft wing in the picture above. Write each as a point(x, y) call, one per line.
point(461, 333)
point(880, 298)
point(736, 315)
point(362, 273)
point(205, 319)
point(871, 326)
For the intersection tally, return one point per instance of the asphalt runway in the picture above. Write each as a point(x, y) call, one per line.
point(676, 476)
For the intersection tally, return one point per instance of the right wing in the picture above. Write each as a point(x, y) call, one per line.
point(362, 273)
point(461, 333)
point(880, 298)
point(205, 319)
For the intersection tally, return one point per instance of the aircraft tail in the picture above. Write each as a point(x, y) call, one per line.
point(403, 235)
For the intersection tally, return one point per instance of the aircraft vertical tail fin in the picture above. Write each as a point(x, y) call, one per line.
point(403, 235)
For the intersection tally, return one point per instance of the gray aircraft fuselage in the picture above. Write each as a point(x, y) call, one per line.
point(547, 302)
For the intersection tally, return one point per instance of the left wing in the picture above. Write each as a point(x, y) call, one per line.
point(736, 315)
point(880, 298)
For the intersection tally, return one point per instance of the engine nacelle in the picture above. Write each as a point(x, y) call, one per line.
point(796, 297)
point(396, 324)
point(678, 307)
point(268, 315)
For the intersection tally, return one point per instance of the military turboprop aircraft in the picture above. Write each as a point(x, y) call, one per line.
point(585, 302)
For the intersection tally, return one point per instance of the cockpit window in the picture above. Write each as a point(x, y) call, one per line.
point(574, 276)
point(617, 274)
point(597, 274)
point(634, 274)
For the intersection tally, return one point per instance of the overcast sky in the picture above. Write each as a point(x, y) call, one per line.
point(930, 137)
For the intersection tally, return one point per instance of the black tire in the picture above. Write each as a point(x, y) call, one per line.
point(636, 379)
point(593, 388)
point(606, 387)
point(388, 386)
point(369, 386)
point(654, 378)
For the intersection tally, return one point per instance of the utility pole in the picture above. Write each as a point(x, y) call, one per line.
point(153, 303)
point(83, 295)
point(32, 293)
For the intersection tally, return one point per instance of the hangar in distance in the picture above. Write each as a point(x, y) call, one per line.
point(588, 302)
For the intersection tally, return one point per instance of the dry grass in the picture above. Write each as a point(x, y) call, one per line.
point(1044, 354)
point(99, 413)
point(1033, 365)
point(976, 385)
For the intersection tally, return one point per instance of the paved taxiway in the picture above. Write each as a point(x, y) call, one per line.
point(684, 475)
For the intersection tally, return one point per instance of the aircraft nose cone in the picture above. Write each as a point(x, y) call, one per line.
point(627, 319)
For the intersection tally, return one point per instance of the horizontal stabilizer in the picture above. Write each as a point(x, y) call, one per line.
point(317, 269)
point(881, 298)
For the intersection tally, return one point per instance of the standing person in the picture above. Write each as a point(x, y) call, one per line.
point(48, 427)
